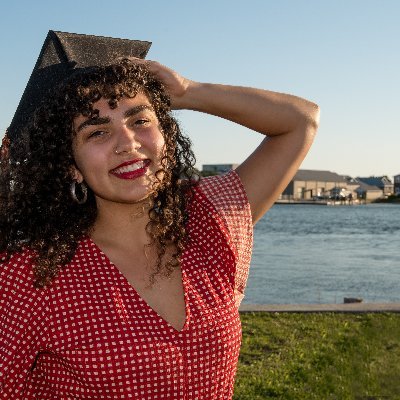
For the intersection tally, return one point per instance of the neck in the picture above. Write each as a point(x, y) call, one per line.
point(118, 223)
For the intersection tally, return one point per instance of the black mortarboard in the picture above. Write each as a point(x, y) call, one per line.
point(61, 55)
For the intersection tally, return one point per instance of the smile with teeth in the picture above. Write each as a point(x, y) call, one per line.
point(131, 170)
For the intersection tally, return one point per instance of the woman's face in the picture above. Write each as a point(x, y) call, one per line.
point(118, 152)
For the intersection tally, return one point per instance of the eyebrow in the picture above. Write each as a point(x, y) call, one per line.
point(137, 110)
point(105, 120)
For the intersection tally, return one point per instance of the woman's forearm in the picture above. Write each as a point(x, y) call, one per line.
point(289, 122)
point(264, 111)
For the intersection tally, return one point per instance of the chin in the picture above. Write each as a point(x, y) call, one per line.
point(113, 201)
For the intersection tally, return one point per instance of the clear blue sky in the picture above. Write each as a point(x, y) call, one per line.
point(344, 55)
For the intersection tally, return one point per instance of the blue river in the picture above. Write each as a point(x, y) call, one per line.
point(320, 254)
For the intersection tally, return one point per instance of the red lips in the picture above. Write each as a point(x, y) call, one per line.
point(131, 169)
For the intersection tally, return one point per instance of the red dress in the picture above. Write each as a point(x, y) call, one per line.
point(89, 335)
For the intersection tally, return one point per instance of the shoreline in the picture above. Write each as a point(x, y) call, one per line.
point(322, 308)
point(333, 202)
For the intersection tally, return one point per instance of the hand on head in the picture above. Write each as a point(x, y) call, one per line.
point(175, 84)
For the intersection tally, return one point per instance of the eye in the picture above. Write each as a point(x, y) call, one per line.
point(142, 121)
point(97, 133)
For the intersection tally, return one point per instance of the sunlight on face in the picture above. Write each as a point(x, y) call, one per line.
point(118, 152)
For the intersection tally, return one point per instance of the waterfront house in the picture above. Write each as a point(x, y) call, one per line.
point(368, 192)
point(310, 184)
point(396, 187)
point(382, 182)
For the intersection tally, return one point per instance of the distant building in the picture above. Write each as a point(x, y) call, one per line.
point(308, 184)
point(352, 184)
point(368, 192)
point(217, 169)
point(312, 184)
point(396, 187)
point(382, 182)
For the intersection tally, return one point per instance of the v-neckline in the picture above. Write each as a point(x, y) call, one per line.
point(137, 294)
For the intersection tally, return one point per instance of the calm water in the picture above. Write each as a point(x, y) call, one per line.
point(320, 254)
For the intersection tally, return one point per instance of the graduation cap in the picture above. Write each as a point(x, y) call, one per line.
point(64, 53)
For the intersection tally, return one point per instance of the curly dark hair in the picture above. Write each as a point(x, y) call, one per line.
point(36, 208)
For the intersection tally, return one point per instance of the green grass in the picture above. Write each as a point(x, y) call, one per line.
point(319, 356)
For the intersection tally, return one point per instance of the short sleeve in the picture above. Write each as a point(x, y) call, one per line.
point(227, 195)
point(22, 327)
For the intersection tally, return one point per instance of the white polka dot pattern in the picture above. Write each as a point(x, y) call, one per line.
point(91, 336)
point(228, 196)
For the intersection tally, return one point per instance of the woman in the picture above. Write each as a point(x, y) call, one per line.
point(122, 274)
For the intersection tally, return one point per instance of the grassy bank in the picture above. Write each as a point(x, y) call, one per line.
point(319, 356)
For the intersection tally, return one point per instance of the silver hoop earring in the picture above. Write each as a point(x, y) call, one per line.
point(82, 190)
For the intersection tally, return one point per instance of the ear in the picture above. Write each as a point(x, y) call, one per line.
point(76, 174)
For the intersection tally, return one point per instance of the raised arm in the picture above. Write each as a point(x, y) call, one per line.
point(288, 122)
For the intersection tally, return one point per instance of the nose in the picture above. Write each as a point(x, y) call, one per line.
point(126, 140)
